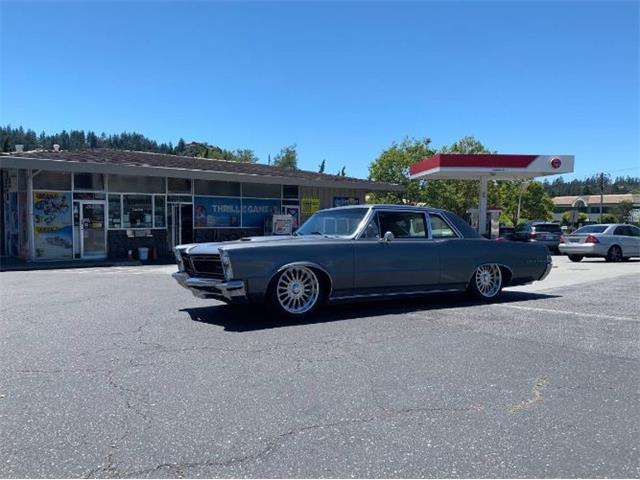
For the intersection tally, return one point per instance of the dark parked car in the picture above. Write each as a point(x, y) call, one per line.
point(506, 233)
point(359, 252)
point(546, 233)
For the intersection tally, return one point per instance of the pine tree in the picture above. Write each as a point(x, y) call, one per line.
point(322, 165)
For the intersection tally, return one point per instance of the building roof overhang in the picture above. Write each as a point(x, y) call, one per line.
point(162, 165)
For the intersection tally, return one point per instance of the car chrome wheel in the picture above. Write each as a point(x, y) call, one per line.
point(297, 290)
point(488, 280)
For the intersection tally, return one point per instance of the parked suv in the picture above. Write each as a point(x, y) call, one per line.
point(542, 232)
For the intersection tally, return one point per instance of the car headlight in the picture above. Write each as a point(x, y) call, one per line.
point(179, 261)
point(226, 265)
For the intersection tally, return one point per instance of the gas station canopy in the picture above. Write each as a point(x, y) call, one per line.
point(454, 166)
point(485, 166)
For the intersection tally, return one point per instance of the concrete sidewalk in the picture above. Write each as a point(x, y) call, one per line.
point(8, 264)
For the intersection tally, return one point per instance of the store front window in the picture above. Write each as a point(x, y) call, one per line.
point(137, 211)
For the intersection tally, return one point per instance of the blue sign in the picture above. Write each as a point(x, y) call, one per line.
point(217, 212)
point(256, 210)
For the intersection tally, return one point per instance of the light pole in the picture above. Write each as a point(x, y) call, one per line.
point(523, 186)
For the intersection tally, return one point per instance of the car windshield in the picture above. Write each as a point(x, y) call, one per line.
point(591, 229)
point(342, 222)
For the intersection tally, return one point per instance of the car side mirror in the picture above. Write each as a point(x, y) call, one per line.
point(387, 237)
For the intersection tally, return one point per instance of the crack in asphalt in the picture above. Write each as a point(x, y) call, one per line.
point(275, 443)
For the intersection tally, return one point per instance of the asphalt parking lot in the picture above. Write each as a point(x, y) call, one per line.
point(118, 372)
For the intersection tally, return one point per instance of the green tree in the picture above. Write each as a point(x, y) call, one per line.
point(459, 195)
point(343, 172)
point(392, 165)
point(566, 218)
point(180, 146)
point(608, 218)
point(623, 211)
point(322, 166)
point(287, 158)
point(536, 204)
point(245, 155)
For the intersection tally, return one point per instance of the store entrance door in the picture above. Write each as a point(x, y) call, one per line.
point(93, 238)
point(180, 221)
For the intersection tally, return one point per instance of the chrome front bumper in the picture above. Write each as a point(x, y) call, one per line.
point(201, 287)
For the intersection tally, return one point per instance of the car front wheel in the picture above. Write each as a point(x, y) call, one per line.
point(575, 258)
point(486, 283)
point(296, 291)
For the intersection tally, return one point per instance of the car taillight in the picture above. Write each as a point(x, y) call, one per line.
point(591, 239)
point(561, 239)
point(532, 236)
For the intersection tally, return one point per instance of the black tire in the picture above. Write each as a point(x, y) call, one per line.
point(287, 295)
point(576, 258)
point(614, 254)
point(486, 282)
point(626, 259)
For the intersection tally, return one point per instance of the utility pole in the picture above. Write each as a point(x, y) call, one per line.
point(602, 177)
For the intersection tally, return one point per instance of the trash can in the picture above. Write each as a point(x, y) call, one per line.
point(143, 254)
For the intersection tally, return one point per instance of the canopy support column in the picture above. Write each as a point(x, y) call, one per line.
point(482, 211)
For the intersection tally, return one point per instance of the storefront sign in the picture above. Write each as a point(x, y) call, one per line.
point(256, 210)
point(221, 212)
point(345, 201)
point(53, 237)
point(310, 205)
point(217, 212)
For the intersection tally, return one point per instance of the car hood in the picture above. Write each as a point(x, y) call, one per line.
point(249, 242)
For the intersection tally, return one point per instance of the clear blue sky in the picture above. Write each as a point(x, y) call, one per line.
point(341, 80)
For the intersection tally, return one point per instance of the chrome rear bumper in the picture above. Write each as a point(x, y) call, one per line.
point(202, 287)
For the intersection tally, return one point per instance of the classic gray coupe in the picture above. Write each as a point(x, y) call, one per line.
point(356, 253)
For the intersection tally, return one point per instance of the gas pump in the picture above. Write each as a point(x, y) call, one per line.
point(492, 221)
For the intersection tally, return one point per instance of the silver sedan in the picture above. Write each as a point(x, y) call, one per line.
point(614, 242)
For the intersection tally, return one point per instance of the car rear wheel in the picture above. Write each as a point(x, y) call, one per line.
point(296, 291)
point(614, 254)
point(575, 258)
point(486, 283)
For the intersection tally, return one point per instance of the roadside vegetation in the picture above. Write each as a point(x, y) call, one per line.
point(392, 165)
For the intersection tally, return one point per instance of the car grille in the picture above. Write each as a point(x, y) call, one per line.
point(203, 265)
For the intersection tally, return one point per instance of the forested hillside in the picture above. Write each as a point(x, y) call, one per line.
point(79, 140)
point(591, 186)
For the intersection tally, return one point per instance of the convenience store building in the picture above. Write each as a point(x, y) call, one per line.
point(92, 204)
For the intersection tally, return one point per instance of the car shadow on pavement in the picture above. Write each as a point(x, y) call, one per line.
point(246, 318)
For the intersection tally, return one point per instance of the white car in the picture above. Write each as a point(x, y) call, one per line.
point(615, 242)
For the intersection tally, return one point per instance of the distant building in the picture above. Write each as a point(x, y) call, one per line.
point(590, 204)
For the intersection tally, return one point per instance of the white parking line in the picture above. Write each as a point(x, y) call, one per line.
point(567, 312)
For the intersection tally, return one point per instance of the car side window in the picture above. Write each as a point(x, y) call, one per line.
point(403, 224)
point(440, 229)
point(635, 231)
point(372, 229)
point(621, 230)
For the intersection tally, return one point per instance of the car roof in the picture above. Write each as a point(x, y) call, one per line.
point(386, 205)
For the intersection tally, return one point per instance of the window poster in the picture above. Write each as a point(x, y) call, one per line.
point(256, 210)
point(217, 212)
point(221, 212)
point(294, 211)
point(310, 205)
point(53, 237)
point(345, 201)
